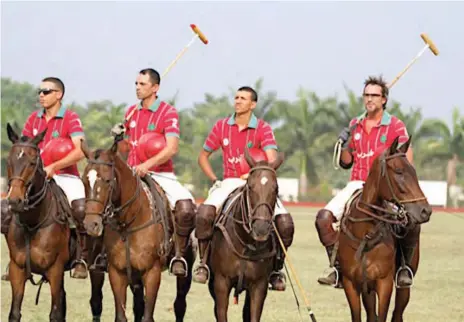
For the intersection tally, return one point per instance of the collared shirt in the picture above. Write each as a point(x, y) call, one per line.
point(65, 124)
point(160, 117)
point(226, 135)
point(366, 147)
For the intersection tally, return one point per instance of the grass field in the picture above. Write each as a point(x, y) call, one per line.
point(438, 293)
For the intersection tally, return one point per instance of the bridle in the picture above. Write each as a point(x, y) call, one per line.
point(31, 201)
point(401, 212)
point(109, 210)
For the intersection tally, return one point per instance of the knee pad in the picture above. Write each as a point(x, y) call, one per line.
point(184, 214)
point(78, 209)
point(324, 220)
point(286, 228)
point(204, 225)
point(6, 217)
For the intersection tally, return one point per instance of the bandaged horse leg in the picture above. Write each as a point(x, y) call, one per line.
point(204, 227)
point(5, 222)
point(407, 246)
point(184, 215)
point(286, 230)
point(328, 237)
point(79, 266)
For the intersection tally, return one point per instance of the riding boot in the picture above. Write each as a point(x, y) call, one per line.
point(404, 275)
point(184, 214)
point(277, 278)
point(204, 232)
point(79, 267)
point(333, 275)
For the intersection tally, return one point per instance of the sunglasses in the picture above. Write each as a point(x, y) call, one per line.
point(46, 91)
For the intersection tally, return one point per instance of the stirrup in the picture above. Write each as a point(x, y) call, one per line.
point(205, 267)
point(97, 263)
point(178, 259)
point(398, 273)
point(329, 271)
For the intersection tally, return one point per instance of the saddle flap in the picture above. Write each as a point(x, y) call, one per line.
point(356, 194)
point(62, 200)
point(231, 199)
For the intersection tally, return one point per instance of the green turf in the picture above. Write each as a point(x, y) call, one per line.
point(438, 294)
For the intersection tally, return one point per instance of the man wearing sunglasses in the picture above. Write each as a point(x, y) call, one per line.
point(366, 138)
point(61, 122)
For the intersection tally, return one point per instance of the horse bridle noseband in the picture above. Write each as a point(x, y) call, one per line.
point(38, 197)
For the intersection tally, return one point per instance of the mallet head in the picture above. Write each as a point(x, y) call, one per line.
point(429, 42)
point(199, 33)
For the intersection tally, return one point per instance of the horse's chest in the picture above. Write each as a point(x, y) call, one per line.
point(140, 256)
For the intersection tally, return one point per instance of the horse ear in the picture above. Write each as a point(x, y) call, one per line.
point(404, 148)
point(249, 159)
point(394, 146)
point(11, 133)
point(39, 137)
point(85, 148)
point(278, 162)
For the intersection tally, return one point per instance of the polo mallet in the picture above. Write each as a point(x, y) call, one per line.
point(428, 45)
point(198, 34)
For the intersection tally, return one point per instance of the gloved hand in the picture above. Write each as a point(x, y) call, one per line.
point(344, 136)
point(216, 184)
point(118, 129)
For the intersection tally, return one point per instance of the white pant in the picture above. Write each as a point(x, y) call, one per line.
point(219, 195)
point(71, 185)
point(337, 204)
point(173, 188)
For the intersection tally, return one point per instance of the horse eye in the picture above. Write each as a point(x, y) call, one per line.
point(399, 171)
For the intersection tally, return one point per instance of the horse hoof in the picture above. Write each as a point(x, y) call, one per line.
point(96, 318)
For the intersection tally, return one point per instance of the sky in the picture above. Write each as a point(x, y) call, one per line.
point(97, 48)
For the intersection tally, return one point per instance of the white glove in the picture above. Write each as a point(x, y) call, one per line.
point(216, 184)
point(118, 129)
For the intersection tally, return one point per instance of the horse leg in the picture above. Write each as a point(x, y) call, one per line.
point(246, 308)
point(403, 294)
point(183, 287)
point(18, 282)
point(384, 290)
point(118, 282)
point(222, 289)
point(258, 293)
point(211, 292)
point(369, 301)
point(63, 300)
point(151, 281)
point(138, 306)
point(96, 300)
point(55, 276)
point(352, 295)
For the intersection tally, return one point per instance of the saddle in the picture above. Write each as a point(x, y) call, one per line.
point(158, 201)
point(230, 201)
point(351, 201)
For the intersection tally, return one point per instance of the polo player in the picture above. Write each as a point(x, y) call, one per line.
point(60, 122)
point(152, 114)
point(366, 138)
point(233, 134)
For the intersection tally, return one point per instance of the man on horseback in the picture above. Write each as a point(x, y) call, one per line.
point(233, 134)
point(152, 114)
point(371, 133)
point(60, 122)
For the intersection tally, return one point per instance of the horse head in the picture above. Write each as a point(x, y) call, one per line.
point(101, 188)
point(398, 183)
point(261, 192)
point(26, 177)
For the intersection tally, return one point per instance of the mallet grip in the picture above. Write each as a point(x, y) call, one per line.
point(429, 42)
point(199, 33)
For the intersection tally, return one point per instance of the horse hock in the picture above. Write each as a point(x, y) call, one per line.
point(204, 227)
point(328, 238)
point(184, 220)
point(286, 230)
point(79, 267)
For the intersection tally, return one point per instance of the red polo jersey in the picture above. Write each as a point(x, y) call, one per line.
point(66, 124)
point(225, 135)
point(160, 117)
point(366, 147)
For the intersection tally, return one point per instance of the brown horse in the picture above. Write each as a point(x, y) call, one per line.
point(386, 213)
point(137, 238)
point(38, 236)
point(243, 245)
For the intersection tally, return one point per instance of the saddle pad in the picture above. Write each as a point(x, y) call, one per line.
point(230, 201)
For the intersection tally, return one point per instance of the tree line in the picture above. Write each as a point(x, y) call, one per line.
point(306, 129)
